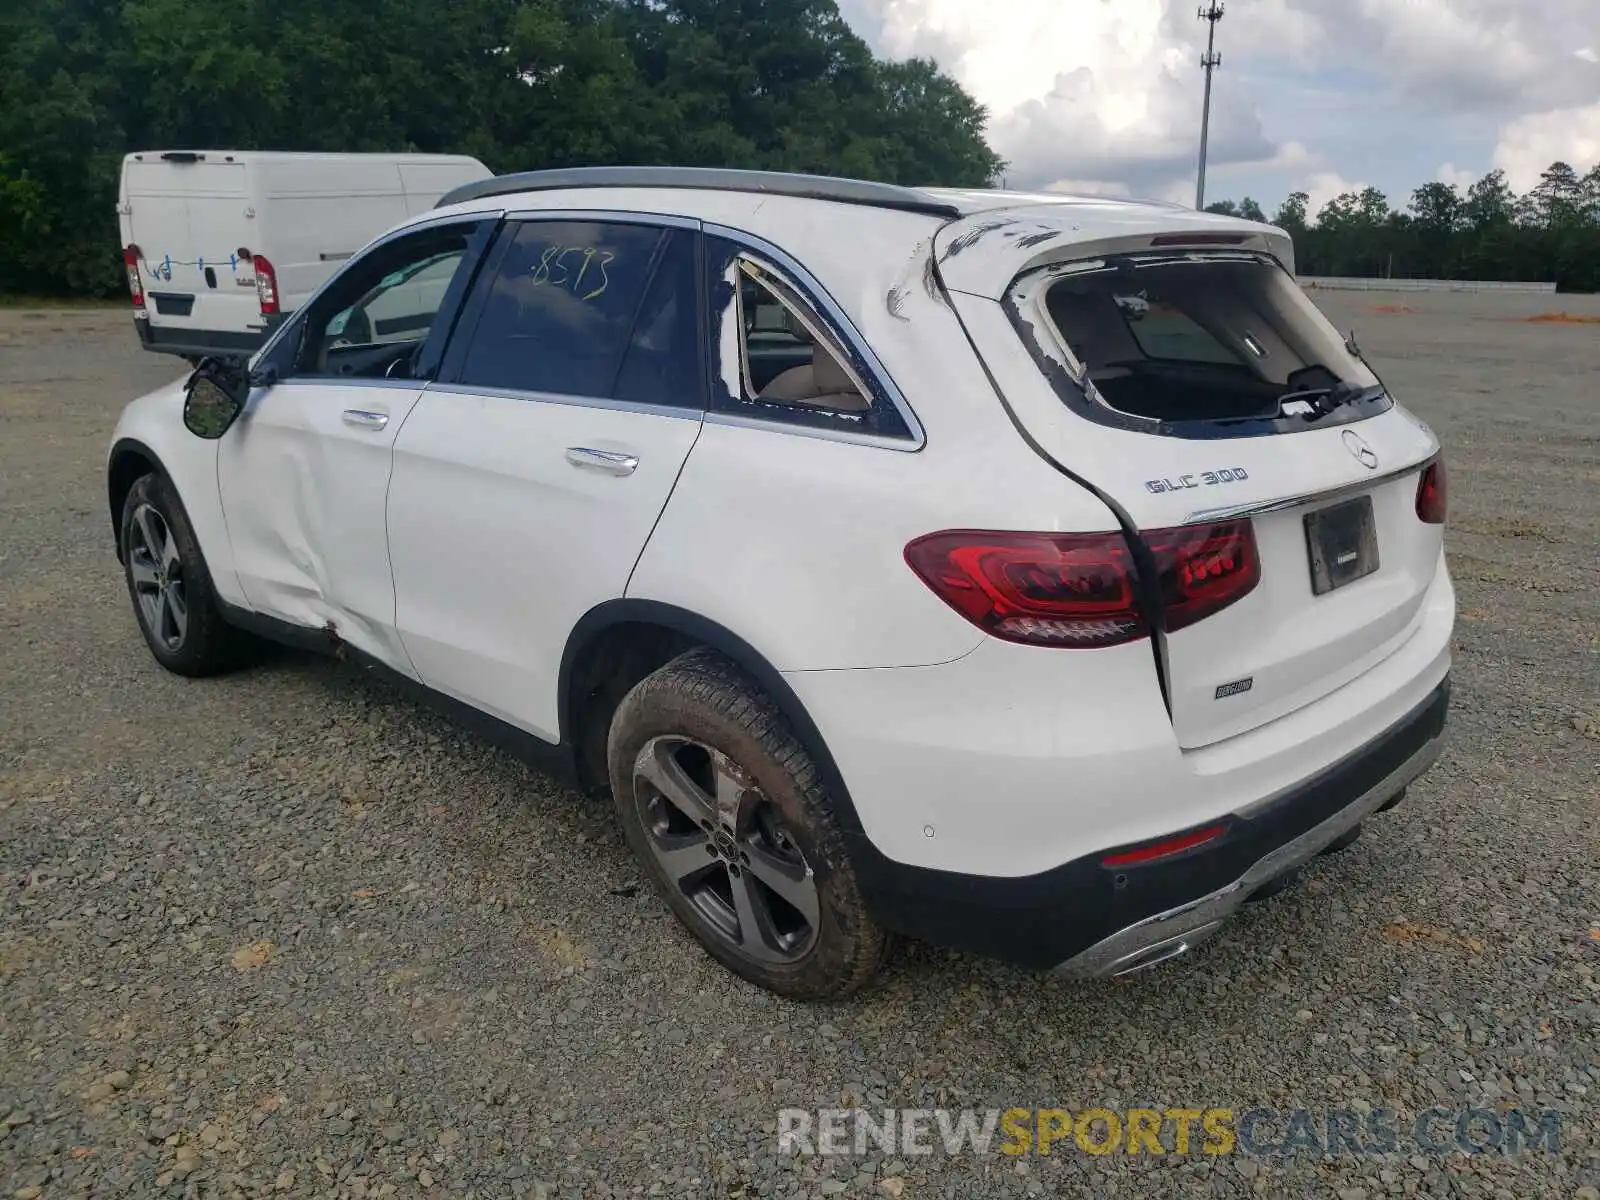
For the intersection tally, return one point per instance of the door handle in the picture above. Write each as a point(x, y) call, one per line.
point(364, 418)
point(612, 462)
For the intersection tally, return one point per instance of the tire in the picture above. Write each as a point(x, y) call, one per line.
point(170, 587)
point(759, 872)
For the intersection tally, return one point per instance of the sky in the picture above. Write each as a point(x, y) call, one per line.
point(1321, 96)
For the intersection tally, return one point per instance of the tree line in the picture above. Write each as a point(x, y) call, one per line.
point(1551, 234)
point(519, 84)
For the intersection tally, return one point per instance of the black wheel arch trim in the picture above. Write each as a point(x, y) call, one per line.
point(723, 640)
point(120, 449)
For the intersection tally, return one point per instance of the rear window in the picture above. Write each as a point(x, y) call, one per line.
point(1191, 340)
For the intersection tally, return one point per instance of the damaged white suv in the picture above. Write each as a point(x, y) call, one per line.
point(1036, 575)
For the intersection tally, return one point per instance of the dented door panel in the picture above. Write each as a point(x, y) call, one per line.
point(303, 477)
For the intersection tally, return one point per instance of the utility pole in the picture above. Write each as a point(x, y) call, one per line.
point(1210, 62)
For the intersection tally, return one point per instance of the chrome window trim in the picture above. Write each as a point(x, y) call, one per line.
point(773, 425)
point(361, 381)
point(811, 290)
point(601, 402)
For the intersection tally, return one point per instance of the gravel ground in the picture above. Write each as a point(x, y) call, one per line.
point(283, 933)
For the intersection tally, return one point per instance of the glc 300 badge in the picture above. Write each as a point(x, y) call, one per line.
point(1203, 479)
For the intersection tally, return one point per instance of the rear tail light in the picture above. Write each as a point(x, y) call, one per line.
point(266, 285)
point(1081, 590)
point(1433, 493)
point(1165, 847)
point(1201, 569)
point(1045, 589)
point(130, 260)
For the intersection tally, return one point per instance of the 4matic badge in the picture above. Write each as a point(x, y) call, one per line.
point(1202, 479)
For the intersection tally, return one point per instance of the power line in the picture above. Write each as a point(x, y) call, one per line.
point(1210, 62)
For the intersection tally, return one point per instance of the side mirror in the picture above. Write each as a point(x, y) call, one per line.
point(214, 397)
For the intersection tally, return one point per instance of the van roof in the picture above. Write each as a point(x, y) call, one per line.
point(193, 156)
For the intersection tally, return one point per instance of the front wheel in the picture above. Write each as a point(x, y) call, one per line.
point(170, 586)
point(727, 814)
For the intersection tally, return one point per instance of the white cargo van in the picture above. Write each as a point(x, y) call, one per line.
point(221, 245)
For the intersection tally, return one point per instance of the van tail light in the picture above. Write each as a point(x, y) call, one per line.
point(266, 285)
point(130, 260)
point(1433, 493)
point(1081, 590)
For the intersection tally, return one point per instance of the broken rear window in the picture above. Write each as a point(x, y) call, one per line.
point(1184, 342)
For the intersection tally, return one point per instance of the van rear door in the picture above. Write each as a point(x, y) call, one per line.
point(1170, 361)
point(187, 214)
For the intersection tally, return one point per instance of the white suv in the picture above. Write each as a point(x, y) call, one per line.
point(1036, 575)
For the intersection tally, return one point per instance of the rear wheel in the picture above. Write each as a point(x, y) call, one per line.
point(727, 815)
point(170, 586)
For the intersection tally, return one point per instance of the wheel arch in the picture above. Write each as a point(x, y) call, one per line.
point(670, 631)
point(129, 460)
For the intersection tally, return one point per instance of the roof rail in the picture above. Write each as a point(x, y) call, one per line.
point(771, 183)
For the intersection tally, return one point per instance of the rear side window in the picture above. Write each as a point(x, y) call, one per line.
point(604, 310)
point(782, 357)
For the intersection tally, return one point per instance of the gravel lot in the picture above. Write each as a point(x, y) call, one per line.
point(283, 933)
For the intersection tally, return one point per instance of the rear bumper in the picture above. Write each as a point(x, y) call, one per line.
point(1083, 919)
point(198, 343)
point(1166, 935)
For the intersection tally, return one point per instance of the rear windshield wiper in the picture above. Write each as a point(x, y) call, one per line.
point(1319, 402)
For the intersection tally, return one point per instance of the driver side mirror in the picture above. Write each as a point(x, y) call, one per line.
point(214, 397)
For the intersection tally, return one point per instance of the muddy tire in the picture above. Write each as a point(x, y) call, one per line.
point(170, 586)
point(728, 816)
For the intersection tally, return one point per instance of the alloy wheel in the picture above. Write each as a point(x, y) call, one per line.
point(156, 570)
point(723, 844)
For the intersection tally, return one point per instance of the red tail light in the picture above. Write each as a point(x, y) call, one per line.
point(1201, 569)
point(1080, 590)
point(266, 285)
point(1165, 848)
point(1045, 589)
point(1433, 493)
point(130, 260)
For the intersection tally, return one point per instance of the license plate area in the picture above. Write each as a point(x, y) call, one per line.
point(1342, 543)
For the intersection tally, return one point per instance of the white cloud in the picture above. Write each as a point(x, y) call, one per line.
point(1454, 175)
point(1531, 143)
point(1109, 90)
point(1324, 186)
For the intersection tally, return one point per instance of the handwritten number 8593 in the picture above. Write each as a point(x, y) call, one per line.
point(555, 270)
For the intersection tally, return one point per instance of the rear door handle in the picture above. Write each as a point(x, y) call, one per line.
point(612, 462)
point(365, 418)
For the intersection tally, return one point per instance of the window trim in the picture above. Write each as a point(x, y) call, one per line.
point(857, 356)
point(453, 359)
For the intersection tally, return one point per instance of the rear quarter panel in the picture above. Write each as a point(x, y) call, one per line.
point(796, 543)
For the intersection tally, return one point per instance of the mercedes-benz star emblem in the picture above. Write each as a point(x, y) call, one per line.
point(1365, 454)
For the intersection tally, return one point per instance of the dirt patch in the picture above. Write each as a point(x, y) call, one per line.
point(1563, 318)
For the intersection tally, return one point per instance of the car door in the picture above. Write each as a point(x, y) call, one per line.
point(304, 473)
point(527, 479)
